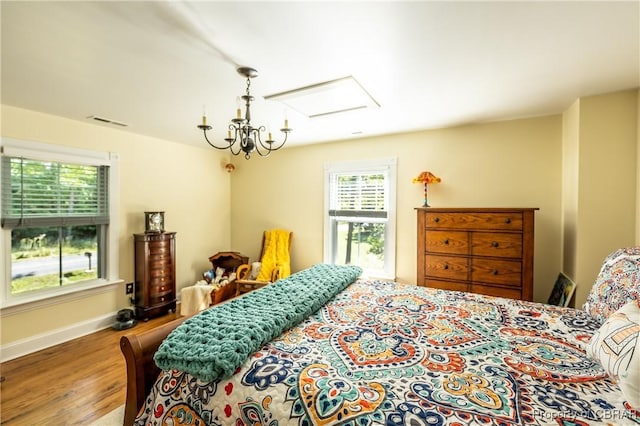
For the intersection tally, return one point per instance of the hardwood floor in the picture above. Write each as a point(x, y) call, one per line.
point(73, 383)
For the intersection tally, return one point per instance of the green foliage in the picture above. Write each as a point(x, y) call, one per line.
point(75, 239)
point(371, 234)
point(60, 203)
point(26, 245)
point(42, 282)
point(52, 189)
point(376, 238)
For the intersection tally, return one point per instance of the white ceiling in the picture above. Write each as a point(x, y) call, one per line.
point(156, 65)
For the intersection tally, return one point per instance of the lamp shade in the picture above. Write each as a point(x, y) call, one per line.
point(426, 177)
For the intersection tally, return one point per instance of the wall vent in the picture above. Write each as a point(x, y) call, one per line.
point(107, 120)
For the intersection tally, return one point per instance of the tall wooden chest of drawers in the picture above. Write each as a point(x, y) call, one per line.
point(155, 274)
point(483, 250)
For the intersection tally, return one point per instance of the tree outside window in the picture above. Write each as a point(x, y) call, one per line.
point(360, 216)
point(57, 214)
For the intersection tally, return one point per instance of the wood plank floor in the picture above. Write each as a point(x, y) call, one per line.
point(73, 383)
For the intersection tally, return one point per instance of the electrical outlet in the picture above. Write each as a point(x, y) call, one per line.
point(129, 288)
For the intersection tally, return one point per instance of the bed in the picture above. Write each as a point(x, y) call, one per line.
point(368, 352)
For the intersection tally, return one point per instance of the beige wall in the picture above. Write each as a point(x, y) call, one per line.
point(552, 163)
point(601, 166)
point(503, 164)
point(570, 150)
point(188, 183)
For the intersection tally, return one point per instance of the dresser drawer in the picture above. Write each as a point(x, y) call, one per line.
point(159, 256)
point(504, 272)
point(482, 250)
point(160, 289)
point(160, 269)
point(447, 285)
point(156, 247)
point(164, 271)
point(510, 293)
point(496, 244)
point(158, 282)
point(497, 221)
point(450, 242)
point(449, 267)
point(160, 299)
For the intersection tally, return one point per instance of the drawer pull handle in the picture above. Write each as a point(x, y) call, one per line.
point(162, 299)
point(507, 220)
point(494, 272)
point(436, 220)
point(446, 241)
point(494, 244)
point(446, 266)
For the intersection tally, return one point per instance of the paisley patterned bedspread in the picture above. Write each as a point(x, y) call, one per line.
point(384, 353)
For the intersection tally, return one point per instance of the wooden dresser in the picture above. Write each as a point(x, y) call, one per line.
point(480, 250)
point(155, 274)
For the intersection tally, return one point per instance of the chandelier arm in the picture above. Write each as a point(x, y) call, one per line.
point(259, 143)
point(268, 147)
point(204, 131)
point(232, 142)
point(286, 135)
point(276, 146)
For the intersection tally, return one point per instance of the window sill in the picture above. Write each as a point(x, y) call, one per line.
point(28, 303)
point(378, 276)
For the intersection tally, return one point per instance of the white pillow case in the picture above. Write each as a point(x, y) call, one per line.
point(616, 346)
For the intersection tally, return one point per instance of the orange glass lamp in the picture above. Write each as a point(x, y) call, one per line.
point(426, 178)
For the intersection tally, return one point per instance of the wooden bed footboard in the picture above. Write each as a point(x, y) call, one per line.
point(138, 350)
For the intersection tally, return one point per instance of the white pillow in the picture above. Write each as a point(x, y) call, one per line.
point(616, 346)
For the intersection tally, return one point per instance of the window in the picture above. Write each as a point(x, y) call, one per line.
point(56, 216)
point(360, 215)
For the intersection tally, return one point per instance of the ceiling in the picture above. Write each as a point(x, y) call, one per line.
point(156, 66)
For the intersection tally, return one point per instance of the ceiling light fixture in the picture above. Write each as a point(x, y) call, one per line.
point(242, 136)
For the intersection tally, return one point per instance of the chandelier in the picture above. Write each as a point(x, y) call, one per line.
point(242, 136)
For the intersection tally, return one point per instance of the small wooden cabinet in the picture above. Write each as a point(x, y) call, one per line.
point(483, 250)
point(155, 274)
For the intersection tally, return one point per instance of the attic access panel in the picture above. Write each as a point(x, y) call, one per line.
point(329, 97)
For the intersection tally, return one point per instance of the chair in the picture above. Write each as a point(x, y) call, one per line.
point(229, 261)
point(205, 293)
point(274, 262)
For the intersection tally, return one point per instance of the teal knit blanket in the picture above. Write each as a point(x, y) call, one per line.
point(215, 342)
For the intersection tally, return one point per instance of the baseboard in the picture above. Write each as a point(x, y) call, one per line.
point(45, 340)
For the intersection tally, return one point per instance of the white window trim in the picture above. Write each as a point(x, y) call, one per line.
point(49, 152)
point(383, 164)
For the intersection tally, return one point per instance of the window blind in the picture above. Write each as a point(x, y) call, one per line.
point(358, 195)
point(41, 193)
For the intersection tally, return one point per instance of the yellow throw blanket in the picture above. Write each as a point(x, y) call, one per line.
point(275, 254)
